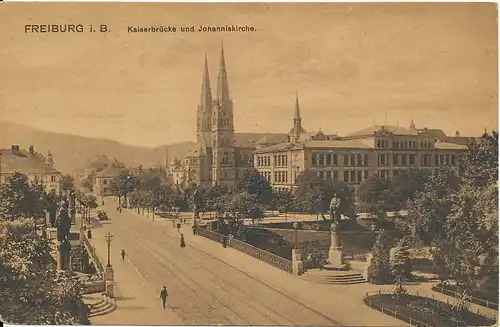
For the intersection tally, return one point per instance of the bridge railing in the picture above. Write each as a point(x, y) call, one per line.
point(93, 253)
point(262, 255)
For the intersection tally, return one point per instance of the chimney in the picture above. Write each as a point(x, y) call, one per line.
point(457, 134)
point(32, 150)
point(14, 148)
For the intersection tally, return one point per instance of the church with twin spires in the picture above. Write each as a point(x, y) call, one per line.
point(221, 154)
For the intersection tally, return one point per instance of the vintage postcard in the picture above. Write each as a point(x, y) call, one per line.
point(289, 164)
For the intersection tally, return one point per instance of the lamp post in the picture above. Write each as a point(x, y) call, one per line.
point(109, 238)
point(295, 226)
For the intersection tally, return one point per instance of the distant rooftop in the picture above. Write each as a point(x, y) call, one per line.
point(22, 161)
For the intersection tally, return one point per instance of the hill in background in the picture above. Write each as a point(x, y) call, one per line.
point(71, 152)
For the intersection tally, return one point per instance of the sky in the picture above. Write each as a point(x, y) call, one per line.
point(351, 64)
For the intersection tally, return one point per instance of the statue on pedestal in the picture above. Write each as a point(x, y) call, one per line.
point(335, 210)
point(335, 256)
point(63, 225)
point(72, 206)
point(196, 204)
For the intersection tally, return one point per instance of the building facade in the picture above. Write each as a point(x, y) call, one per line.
point(32, 164)
point(102, 182)
point(222, 154)
point(383, 150)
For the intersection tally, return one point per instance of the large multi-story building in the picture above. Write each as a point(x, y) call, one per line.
point(382, 150)
point(32, 164)
point(222, 154)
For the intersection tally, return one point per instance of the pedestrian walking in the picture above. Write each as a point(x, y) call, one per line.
point(123, 254)
point(224, 241)
point(163, 296)
point(183, 244)
point(194, 229)
point(229, 239)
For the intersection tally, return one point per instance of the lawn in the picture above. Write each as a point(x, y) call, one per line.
point(424, 311)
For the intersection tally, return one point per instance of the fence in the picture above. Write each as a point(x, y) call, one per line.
point(484, 303)
point(267, 257)
point(410, 320)
point(395, 314)
point(93, 254)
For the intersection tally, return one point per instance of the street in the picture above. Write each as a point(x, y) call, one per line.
point(202, 289)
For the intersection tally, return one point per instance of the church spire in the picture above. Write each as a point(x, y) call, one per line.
point(206, 91)
point(297, 108)
point(412, 125)
point(222, 85)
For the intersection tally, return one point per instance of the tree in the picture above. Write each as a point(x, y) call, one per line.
point(427, 212)
point(123, 184)
point(211, 198)
point(381, 269)
point(89, 181)
point(19, 198)
point(283, 200)
point(400, 260)
point(313, 194)
point(374, 194)
point(242, 205)
point(32, 292)
point(404, 187)
point(67, 183)
point(458, 216)
point(252, 182)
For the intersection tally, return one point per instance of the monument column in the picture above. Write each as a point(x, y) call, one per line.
point(335, 255)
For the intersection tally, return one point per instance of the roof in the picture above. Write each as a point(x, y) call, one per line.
point(250, 140)
point(112, 170)
point(273, 139)
point(280, 147)
point(436, 132)
point(349, 144)
point(396, 130)
point(24, 162)
point(449, 146)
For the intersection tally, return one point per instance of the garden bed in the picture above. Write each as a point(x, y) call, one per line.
point(484, 298)
point(423, 311)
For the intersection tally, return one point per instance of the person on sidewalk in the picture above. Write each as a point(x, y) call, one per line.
point(224, 241)
point(183, 244)
point(163, 296)
point(194, 229)
point(123, 254)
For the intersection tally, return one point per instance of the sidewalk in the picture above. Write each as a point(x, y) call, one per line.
point(137, 302)
point(343, 303)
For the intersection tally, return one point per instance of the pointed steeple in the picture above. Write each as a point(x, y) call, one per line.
point(412, 125)
point(222, 84)
point(206, 91)
point(297, 107)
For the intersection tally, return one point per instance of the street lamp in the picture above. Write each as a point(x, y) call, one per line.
point(295, 226)
point(109, 238)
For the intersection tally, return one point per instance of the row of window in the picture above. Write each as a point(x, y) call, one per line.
point(280, 177)
point(281, 160)
point(402, 159)
point(403, 144)
point(264, 161)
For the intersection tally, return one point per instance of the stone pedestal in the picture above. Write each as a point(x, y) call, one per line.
point(335, 255)
point(109, 273)
point(297, 265)
point(64, 256)
point(110, 288)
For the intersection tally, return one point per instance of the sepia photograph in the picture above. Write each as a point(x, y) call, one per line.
point(272, 164)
